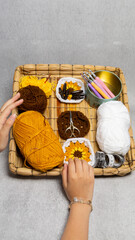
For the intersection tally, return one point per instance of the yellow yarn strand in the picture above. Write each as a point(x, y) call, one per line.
point(37, 141)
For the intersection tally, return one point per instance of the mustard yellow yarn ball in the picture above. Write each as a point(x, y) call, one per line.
point(37, 141)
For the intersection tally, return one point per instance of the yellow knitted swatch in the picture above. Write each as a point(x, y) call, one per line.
point(46, 86)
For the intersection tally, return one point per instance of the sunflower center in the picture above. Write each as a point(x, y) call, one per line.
point(77, 154)
point(71, 90)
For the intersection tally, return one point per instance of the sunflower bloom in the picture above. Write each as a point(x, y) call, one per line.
point(77, 150)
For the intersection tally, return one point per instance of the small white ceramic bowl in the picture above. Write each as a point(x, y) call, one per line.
point(69, 79)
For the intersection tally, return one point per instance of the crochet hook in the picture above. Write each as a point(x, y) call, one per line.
point(96, 87)
point(98, 84)
point(103, 84)
point(91, 87)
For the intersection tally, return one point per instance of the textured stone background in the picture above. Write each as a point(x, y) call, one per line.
point(75, 32)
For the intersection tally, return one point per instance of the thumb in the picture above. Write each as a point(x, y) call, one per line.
point(8, 124)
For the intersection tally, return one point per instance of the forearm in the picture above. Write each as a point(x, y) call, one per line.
point(78, 223)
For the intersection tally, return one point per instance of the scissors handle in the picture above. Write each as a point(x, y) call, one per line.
point(72, 127)
point(75, 128)
point(69, 128)
point(72, 131)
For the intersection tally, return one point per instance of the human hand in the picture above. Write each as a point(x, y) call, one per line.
point(5, 122)
point(78, 179)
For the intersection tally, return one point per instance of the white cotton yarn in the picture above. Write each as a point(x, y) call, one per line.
point(112, 128)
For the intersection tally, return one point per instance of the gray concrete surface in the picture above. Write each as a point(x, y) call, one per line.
point(76, 32)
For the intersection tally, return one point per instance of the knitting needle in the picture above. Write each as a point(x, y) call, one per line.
point(102, 83)
point(98, 84)
point(92, 88)
point(96, 87)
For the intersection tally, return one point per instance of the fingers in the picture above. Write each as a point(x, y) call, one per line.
point(6, 128)
point(71, 168)
point(82, 167)
point(78, 165)
point(91, 171)
point(64, 175)
point(91, 174)
point(10, 101)
point(85, 167)
point(6, 112)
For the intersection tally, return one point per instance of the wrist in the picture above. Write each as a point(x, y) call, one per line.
point(81, 201)
point(81, 208)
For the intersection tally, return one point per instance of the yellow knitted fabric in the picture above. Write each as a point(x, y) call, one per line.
point(43, 84)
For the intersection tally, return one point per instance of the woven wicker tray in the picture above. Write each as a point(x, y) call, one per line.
point(54, 109)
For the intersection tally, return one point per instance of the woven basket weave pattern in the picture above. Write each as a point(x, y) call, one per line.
point(54, 109)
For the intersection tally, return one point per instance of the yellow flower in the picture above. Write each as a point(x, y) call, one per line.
point(71, 85)
point(69, 97)
point(77, 150)
point(34, 81)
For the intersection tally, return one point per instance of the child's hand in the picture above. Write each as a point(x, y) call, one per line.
point(78, 179)
point(6, 124)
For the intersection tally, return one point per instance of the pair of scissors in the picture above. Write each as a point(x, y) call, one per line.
point(72, 128)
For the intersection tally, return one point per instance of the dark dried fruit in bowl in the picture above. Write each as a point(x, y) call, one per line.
point(82, 95)
point(60, 91)
point(75, 97)
point(78, 96)
point(67, 93)
point(77, 92)
point(65, 97)
point(64, 88)
point(62, 95)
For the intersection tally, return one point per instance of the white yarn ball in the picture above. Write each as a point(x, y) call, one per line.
point(112, 128)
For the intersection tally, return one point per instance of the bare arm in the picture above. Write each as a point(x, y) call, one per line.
point(5, 122)
point(78, 181)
